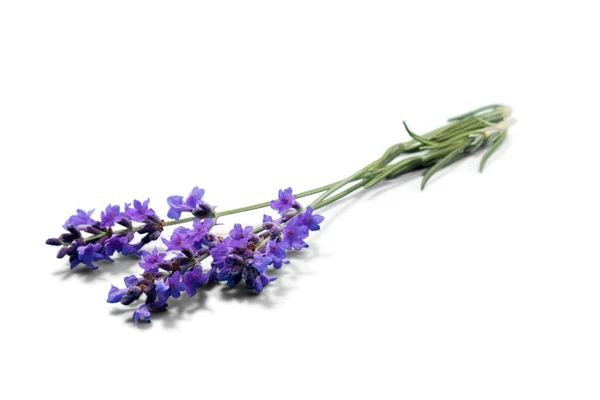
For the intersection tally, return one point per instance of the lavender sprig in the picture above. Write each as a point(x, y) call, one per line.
point(247, 253)
point(73, 243)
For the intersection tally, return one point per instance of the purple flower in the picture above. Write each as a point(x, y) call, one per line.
point(179, 239)
point(134, 249)
point(219, 253)
point(232, 274)
point(201, 228)
point(115, 294)
point(140, 211)
point(192, 202)
point(119, 244)
point(161, 285)
point(271, 225)
point(276, 251)
point(293, 234)
point(142, 313)
point(87, 255)
point(261, 262)
point(130, 280)
point(152, 260)
point(81, 219)
point(193, 279)
point(261, 281)
point(110, 216)
point(285, 201)
point(172, 286)
point(311, 221)
point(240, 235)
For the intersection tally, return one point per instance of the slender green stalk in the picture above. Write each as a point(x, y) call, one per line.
point(338, 196)
point(216, 215)
point(267, 203)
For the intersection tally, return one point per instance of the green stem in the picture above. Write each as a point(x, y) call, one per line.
point(339, 195)
point(216, 215)
point(267, 203)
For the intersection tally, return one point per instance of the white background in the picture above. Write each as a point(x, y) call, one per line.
point(483, 286)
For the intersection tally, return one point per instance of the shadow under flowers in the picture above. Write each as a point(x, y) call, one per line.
point(178, 309)
point(122, 267)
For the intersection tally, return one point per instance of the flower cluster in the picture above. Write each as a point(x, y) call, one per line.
point(103, 241)
point(244, 255)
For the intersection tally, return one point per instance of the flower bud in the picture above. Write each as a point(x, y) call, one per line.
point(188, 253)
point(92, 229)
point(124, 222)
point(74, 231)
point(235, 259)
point(203, 211)
point(54, 242)
point(133, 293)
point(62, 252)
point(66, 238)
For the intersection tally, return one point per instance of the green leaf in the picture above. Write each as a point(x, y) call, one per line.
point(475, 112)
point(447, 160)
point(496, 143)
point(419, 138)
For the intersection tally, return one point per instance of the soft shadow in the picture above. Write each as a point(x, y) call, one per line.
point(176, 312)
point(122, 266)
point(287, 278)
point(313, 250)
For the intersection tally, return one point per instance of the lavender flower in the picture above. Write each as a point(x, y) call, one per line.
point(276, 252)
point(172, 287)
point(119, 244)
point(285, 201)
point(179, 239)
point(201, 229)
point(294, 234)
point(81, 219)
point(115, 294)
point(110, 216)
point(311, 220)
point(259, 282)
point(142, 313)
point(140, 211)
point(193, 204)
point(101, 233)
point(240, 236)
point(194, 279)
point(88, 255)
point(152, 260)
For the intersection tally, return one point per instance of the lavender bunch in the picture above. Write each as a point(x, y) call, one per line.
point(247, 253)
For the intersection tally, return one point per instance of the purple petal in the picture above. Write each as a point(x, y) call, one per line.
point(142, 312)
